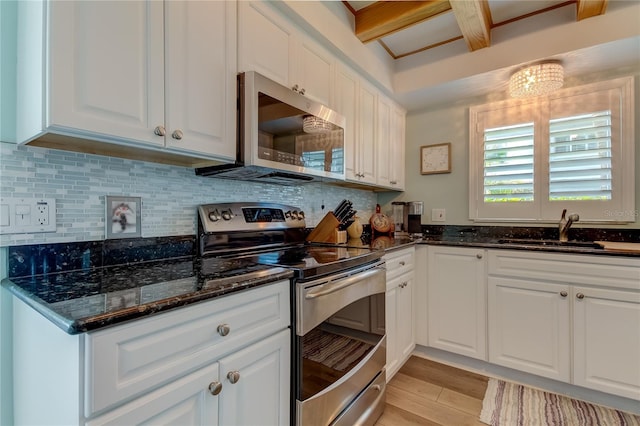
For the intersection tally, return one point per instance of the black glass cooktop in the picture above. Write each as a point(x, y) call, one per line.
point(311, 261)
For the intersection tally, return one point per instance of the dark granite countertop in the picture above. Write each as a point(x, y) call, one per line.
point(570, 247)
point(84, 300)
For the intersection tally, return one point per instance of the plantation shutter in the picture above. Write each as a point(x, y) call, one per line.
point(580, 157)
point(508, 163)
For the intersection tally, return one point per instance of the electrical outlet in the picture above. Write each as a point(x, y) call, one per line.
point(438, 215)
point(42, 213)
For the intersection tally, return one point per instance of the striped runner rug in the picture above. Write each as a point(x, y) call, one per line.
point(510, 404)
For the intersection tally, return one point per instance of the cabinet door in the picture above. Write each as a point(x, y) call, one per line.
point(260, 396)
point(315, 71)
point(201, 77)
point(457, 300)
point(346, 103)
point(400, 325)
point(367, 118)
point(391, 324)
point(107, 68)
point(397, 147)
point(383, 141)
point(186, 401)
point(265, 42)
point(529, 326)
point(420, 295)
point(405, 327)
point(606, 340)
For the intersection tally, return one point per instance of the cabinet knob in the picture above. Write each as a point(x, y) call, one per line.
point(402, 263)
point(224, 329)
point(563, 293)
point(580, 296)
point(215, 388)
point(479, 255)
point(295, 88)
point(302, 91)
point(159, 130)
point(177, 134)
point(233, 376)
point(393, 182)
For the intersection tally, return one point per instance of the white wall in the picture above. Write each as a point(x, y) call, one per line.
point(449, 123)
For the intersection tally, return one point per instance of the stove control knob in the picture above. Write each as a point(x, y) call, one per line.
point(214, 216)
point(287, 215)
point(300, 215)
point(227, 214)
point(294, 214)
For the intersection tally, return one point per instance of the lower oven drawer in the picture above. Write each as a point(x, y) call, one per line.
point(324, 407)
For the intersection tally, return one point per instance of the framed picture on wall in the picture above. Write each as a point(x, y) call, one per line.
point(123, 217)
point(435, 158)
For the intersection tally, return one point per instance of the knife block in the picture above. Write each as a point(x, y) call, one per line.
point(327, 231)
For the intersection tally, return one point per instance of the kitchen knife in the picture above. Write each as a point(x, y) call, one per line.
point(339, 210)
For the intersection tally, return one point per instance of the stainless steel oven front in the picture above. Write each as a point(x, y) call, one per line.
point(340, 347)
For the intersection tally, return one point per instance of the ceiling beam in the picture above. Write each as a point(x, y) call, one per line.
point(386, 17)
point(474, 20)
point(589, 8)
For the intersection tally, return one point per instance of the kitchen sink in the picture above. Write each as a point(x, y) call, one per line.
point(550, 243)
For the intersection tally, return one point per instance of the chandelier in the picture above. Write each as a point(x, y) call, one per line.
point(313, 124)
point(536, 80)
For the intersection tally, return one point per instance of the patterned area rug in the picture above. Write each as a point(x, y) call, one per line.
point(507, 404)
point(332, 350)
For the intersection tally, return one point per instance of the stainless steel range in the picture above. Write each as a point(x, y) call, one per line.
point(338, 308)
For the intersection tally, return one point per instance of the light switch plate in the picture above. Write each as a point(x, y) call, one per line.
point(27, 215)
point(438, 215)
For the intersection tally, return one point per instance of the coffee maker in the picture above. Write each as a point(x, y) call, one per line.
point(407, 218)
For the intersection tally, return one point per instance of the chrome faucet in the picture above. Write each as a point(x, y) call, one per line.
point(565, 224)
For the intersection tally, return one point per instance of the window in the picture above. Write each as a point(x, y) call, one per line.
point(574, 149)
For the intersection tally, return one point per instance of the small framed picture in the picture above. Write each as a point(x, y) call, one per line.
point(435, 159)
point(123, 217)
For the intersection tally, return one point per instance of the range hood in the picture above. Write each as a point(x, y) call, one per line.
point(276, 142)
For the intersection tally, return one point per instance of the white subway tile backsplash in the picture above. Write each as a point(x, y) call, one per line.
point(170, 194)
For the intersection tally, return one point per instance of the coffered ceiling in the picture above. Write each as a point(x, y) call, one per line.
point(405, 28)
point(444, 50)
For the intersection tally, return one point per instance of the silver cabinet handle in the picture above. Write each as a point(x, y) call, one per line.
point(160, 131)
point(580, 296)
point(479, 255)
point(177, 134)
point(393, 182)
point(302, 91)
point(224, 329)
point(563, 293)
point(215, 388)
point(233, 376)
point(295, 88)
point(402, 263)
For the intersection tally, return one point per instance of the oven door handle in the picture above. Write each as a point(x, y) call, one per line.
point(332, 287)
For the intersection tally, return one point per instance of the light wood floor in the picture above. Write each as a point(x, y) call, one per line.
point(427, 393)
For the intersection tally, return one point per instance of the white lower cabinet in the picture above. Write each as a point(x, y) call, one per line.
point(456, 294)
point(399, 318)
point(606, 340)
point(569, 317)
point(529, 326)
point(219, 393)
point(225, 361)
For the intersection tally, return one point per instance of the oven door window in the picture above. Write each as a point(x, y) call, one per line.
point(336, 346)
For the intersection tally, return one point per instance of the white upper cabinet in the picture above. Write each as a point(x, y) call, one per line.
point(271, 45)
point(366, 150)
point(390, 144)
point(137, 73)
point(397, 146)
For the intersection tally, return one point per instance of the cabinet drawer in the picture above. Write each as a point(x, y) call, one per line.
point(125, 361)
point(399, 262)
point(609, 271)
